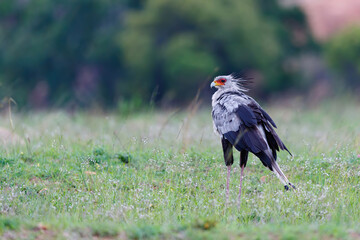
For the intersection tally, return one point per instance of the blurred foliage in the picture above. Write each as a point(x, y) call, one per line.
point(186, 41)
point(92, 52)
point(69, 45)
point(177, 45)
point(343, 53)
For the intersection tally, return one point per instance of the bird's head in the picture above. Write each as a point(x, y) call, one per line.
point(229, 82)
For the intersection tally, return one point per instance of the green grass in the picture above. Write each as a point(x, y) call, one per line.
point(162, 175)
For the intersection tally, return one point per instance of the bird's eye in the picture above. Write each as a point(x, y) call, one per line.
point(223, 80)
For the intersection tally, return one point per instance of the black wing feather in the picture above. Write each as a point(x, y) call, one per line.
point(274, 140)
point(248, 138)
point(246, 115)
point(252, 120)
point(267, 117)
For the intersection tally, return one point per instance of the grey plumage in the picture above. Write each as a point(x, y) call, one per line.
point(242, 123)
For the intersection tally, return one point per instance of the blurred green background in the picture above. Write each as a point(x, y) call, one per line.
point(138, 53)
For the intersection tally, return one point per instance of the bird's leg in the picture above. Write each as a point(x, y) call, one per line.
point(227, 182)
point(243, 160)
point(241, 178)
point(229, 160)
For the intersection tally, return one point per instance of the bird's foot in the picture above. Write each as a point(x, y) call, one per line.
point(287, 187)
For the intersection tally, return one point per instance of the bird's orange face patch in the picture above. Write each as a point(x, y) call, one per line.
point(220, 82)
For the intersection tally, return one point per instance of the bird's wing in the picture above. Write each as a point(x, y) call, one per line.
point(242, 121)
point(235, 121)
point(268, 126)
point(233, 112)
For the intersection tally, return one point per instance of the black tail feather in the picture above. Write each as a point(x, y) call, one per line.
point(265, 159)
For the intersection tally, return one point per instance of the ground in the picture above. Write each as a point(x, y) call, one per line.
point(161, 175)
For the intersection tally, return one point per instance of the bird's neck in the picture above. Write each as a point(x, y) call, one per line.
point(221, 92)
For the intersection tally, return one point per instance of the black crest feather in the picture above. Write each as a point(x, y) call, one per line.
point(242, 80)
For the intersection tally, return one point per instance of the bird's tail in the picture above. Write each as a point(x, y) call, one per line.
point(269, 161)
point(281, 175)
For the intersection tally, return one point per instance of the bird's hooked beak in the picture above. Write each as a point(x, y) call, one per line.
point(216, 83)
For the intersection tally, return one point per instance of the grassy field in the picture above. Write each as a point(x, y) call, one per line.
point(161, 175)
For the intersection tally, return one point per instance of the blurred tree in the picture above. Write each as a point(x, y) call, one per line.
point(343, 53)
point(70, 46)
point(295, 39)
point(91, 52)
point(176, 45)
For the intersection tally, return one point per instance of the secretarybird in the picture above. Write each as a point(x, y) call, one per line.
point(243, 124)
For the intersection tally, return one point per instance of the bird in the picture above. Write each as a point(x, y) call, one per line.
point(242, 123)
